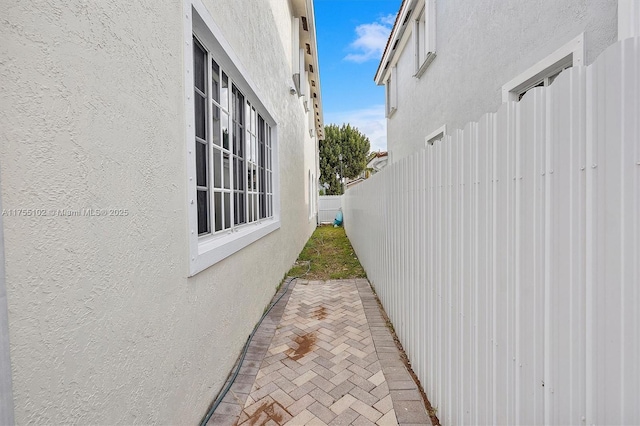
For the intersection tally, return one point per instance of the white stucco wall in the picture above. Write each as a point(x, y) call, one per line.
point(105, 326)
point(482, 45)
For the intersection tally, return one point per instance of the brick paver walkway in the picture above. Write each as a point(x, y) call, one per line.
point(323, 356)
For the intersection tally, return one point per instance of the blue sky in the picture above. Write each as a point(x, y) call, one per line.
point(351, 37)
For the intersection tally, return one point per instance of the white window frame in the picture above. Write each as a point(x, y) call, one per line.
point(571, 54)
point(436, 135)
point(391, 92)
point(424, 37)
point(207, 250)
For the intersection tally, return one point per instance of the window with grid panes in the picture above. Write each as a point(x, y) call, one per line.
point(424, 36)
point(233, 151)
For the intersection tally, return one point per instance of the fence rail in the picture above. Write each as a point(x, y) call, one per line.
point(508, 255)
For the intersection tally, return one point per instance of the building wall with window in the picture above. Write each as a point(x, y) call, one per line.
point(479, 47)
point(121, 308)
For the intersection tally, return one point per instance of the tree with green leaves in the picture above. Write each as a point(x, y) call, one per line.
point(354, 147)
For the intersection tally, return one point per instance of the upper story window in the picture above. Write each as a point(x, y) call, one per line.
point(233, 151)
point(436, 136)
point(424, 37)
point(391, 89)
point(544, 72)
point(545, 80)
point(232, 148)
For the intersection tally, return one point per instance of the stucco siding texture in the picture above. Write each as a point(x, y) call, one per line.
point(105, 326)
point(482, 45)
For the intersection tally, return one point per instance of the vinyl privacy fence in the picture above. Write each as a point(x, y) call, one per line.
point(508, 255)
point(328, 207)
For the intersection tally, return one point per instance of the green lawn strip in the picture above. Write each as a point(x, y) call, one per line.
point(331, 256)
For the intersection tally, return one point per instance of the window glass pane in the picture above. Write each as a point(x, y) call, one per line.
point(238, 121)
point(254, 171)
point(215, 83)
point(235, 173)
point(201, 115)
point(217, 198)
point(238, 105)
point(226, 172)
point(261, 180)
point(224, 92)
point(263, 193)
point(261, 129)
point(224, 124)
point(238, 140)
point(249, 183)
point(268, 158)
point(240, 174)
point(250, 140)
point(253, 120)
point(247, 114)
point(199, 56)
point(261, 153)
point(254, 178)
point(217, 168)
point(263, 206)
point(227, 210)
point(215, 132)
point(203, 212)
point(201, 164)
point(239, 208)
point(255, 206)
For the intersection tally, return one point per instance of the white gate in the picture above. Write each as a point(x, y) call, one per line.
point(328, 206)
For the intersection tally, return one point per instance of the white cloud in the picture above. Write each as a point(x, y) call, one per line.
point(389, 19)
point(369, 121)
point(371, 40)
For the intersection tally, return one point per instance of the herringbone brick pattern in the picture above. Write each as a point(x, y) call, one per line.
point(323, 366)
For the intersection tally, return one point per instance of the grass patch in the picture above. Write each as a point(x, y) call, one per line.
point(331, 256)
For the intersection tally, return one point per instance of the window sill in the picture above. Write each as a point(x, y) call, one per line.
point(430, 57)
point(214, 248)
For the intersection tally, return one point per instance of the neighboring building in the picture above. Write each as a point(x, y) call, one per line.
point(353, 182)
point(379, 161)
point(449, 62)
point(158, 171)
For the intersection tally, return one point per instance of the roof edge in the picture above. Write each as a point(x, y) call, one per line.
point(399, 26)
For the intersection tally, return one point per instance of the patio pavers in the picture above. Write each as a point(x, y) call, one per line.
point(327, 358)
